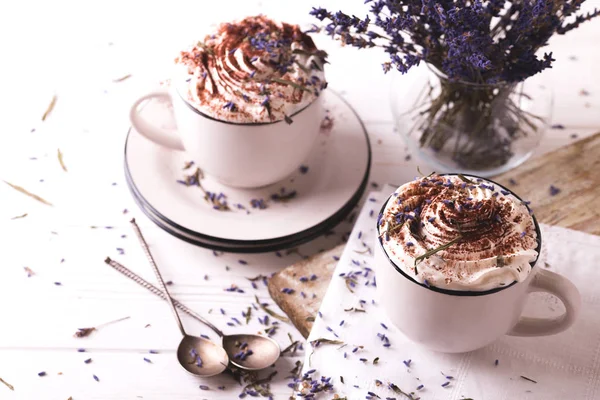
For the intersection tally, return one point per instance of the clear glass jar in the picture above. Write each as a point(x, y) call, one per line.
point(480, 129)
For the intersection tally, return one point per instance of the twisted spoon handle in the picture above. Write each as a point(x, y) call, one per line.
point(150, 258)
point(153, 289)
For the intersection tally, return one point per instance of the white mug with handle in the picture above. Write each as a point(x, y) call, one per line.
point(453, 321)
point(243, 155)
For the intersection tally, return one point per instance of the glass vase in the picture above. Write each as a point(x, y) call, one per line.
point(480, 129)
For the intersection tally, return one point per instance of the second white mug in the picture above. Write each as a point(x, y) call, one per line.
point(453, 321)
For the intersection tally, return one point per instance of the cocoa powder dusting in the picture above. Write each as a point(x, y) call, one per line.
point(432, 211)
point(254, 66)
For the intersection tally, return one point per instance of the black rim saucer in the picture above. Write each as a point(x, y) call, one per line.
point(251, 246)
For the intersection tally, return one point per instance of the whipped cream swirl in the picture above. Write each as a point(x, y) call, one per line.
point(487, 235)
point(253, 70)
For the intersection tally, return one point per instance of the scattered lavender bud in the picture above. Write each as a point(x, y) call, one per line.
point(554, 190)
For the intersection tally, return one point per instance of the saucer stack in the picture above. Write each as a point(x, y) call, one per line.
point(306, 204)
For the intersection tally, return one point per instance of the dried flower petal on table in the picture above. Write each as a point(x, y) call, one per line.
point(61, 161)
point(319, 341)
point(28, 193)
point(83, 332)
point(11, 387)
point(397, 390)
point(265, 308)
point(248, 315)
point(528, 379)
point(50, 108)
point(123, 78)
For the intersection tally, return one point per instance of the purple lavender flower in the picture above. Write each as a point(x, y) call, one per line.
point(475, 41)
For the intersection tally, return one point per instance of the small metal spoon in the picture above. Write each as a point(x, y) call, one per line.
point(246, 351)
point(198, 356)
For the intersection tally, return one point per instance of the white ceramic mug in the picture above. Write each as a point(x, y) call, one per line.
point(244, 155)
point(452, 321)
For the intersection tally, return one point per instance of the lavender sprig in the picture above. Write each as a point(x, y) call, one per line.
point(474, 41)
point(431, 252)
point(83, 332)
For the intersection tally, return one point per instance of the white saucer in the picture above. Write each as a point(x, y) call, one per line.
point(250, 247)
point(337, 174)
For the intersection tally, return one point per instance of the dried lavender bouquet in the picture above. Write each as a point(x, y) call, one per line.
point(480, 51)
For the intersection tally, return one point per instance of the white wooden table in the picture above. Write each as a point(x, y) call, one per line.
point(76, 50)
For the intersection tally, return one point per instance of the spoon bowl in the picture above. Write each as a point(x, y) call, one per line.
point(198, 356)
point(251, 352)
point(201, 357)
point(232, 343)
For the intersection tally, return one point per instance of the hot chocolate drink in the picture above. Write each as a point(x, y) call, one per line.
point(252, 71)
point(458, 233)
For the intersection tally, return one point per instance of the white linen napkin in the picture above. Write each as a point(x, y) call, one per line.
point(563, 366)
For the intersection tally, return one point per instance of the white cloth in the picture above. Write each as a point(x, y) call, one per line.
point(565, 366)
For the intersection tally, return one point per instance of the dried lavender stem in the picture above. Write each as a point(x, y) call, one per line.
point(157, 273)
point(112, 322)
point(11, 387)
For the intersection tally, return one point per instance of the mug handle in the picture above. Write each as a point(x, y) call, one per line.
point(157, 135)
point(561, 287)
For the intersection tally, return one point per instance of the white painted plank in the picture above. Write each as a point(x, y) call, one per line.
point(122, 376)
point(89, 125)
